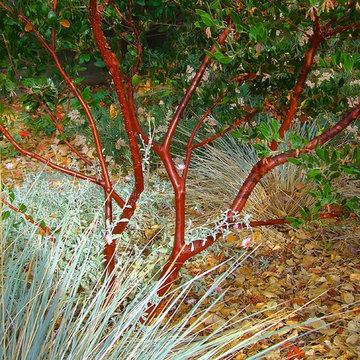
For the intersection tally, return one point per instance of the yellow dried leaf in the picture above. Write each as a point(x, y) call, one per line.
point(64, 23)
point(113, 111)
point(347, 297)
point(355, 277)
point(231, 238)
point(208, 32)
point(28, 27)
point(256, 237)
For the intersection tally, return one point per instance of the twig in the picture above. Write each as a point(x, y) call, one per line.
point(46, 161)
point(189, 146)
point(190, 91)
point(314, 41)
point(53, 30)
point(60, 129)
point(10, 58)
point(230, 128)
point(45, 229)
point(342, 29)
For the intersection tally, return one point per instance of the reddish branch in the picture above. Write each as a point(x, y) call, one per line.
point(131, 23)
point(178, 258)
point(53, 30)
point(113, 66)
point(73, 88)
point(10, 58)
point(266, 165)
point(46, 161)
point(46, 230)
point(342, 29)
point(105, 181)
point(230, 128)
point(172, 268)
point(189, 146)
point(60, 129)
point(314, 42)
point(60, 168)
point(194, 84)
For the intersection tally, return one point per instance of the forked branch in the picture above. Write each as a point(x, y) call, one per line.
point(45, 229)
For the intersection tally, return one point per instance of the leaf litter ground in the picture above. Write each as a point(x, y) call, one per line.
point(290, 275)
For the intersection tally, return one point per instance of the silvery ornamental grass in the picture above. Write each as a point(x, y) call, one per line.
point(48, 313)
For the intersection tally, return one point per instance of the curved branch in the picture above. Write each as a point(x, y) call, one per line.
point(59, 127)
point(265, 165)
point(189, 146)
point(190, 91)
point(45, 229)
point(113, 66)
point(314, 42)
point(230, 128)
point(48, 162)
point(70, 84)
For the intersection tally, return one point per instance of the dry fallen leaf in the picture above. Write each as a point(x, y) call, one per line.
point(355, 277)
point(231, 238)
point(348, 298)
point(308, 260)
point(113, 111)
point(28, 27)
point(64, 23)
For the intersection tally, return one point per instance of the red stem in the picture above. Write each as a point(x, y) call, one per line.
point(129, 120)
point(10, 58)
point(176, 261)
point(230, 128)
point(45, 229)
point(113, 66)
point(105, 175)
point(190, 91)
point(189, 146)
point(182, 254)
point(314, 41)
point(59, 127)
point(47, 162)
point(53, 30)
point(265, 165)
point(131, 23)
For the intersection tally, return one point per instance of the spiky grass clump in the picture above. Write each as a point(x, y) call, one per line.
point(218, 172)
point(47, 313)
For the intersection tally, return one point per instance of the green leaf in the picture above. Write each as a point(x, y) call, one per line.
point(215, 5)
point(294, 161)
point(5, 215)
point(313, 173)
point(205, 17)
point(237, 20)
point(84, 58)
point(22, 207)
point(320, 153)
point(328, 245)
point(295, 222)
point(135, 80)
point(52, 17)
point(11, 195)
point(99, 63)
point(258, 33)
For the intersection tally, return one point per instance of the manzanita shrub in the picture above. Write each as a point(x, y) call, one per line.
point(259, 70)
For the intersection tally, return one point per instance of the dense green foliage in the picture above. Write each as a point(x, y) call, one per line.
point(258, 65)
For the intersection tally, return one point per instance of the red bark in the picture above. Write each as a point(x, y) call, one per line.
point(314, 42)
